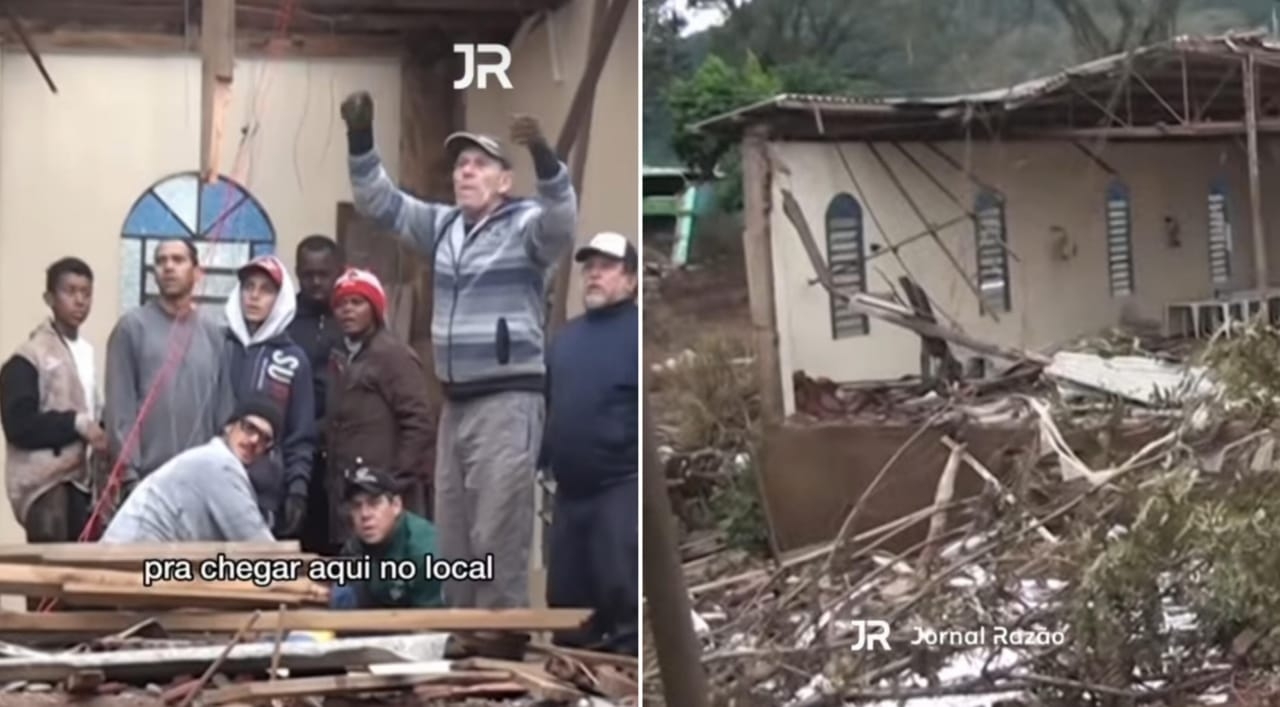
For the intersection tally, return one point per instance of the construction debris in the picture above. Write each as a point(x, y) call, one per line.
point(1121, 576)
point(175, 642)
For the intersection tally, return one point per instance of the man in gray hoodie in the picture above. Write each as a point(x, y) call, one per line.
point(204, 494)
point(170, 344)
point(491, 254)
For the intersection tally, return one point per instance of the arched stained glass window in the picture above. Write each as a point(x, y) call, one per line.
point(845, 244)
point(226, 222)
point(1219, 233)
point(1119, 240)
point(993, 259)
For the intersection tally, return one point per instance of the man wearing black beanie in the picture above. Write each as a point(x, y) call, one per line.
point(204, 493)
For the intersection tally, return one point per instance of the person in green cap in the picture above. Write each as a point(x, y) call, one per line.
point(384, 531)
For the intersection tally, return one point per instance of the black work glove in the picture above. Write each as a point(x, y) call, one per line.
point(295, 511)
point(357, 111)
point(526, 131)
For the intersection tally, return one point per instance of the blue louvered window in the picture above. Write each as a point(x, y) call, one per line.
point(993, 259)
point(1119, 240)
point(1219, 233)
point(845, 258)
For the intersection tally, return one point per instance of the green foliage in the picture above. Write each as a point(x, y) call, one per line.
point(715, 88)
point(739, 513)
point(1247, 365)
point(1206, 546)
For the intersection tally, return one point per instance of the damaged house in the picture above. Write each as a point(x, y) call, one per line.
point(1124, 191)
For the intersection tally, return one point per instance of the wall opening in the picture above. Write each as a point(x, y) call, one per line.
point(1119, 240)
point(1219, 233)
point(227, 224)
point(848, 264)
point(993, 258)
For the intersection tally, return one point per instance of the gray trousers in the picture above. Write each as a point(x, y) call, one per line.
point(486, 452)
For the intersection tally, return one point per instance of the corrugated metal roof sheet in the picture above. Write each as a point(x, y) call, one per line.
point(1008, 97)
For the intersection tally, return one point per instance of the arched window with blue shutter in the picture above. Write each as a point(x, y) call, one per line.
point(993, 259)
point(1219, 233)
point(227, 224)
point(845, 258)
point(1119, 240)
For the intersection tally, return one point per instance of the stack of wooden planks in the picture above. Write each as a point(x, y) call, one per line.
point(95, 574)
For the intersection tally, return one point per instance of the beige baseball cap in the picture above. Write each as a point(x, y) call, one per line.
point(456, 142)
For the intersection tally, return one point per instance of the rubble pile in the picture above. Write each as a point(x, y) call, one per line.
point(101, 627)
point(1142, 576)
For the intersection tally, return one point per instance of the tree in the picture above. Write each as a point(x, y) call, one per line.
point(1138, 23)
point(714, 89)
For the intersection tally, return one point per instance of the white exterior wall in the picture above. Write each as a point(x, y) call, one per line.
point(1046, 185)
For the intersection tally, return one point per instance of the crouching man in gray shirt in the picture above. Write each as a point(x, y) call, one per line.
point(204, 493)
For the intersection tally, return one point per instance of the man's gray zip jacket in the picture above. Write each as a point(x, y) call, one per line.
point(490, 295)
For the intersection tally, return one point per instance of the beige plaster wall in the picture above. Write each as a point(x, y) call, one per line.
point(546, 65)
point(1046, 184)
point(73, 163)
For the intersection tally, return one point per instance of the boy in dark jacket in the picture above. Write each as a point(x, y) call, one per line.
point(590, 447)
point(261, 360)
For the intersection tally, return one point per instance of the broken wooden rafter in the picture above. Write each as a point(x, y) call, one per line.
point(607, 20)
point(30, 46)
point(933, 231)
point(886, 310)
point(217, 50)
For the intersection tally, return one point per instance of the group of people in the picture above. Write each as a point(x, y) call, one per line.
point(299, 414)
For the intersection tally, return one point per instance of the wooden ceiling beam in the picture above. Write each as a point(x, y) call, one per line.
point(247, 44)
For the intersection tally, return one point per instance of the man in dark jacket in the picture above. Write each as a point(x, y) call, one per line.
point(262, 361)
point(384, 531)
point(590, 448)
point(318, 262)
point(378, 413)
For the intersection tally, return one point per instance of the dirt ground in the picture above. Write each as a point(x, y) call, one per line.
point(686, 306)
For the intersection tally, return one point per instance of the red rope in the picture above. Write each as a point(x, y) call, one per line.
point(180, 336)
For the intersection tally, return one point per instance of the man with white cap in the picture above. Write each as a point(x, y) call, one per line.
point(491, 255)
point(590, 449)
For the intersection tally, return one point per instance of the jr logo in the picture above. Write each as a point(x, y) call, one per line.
point(871, 634)
point(472, 70)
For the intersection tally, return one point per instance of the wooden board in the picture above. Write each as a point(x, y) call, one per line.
point(54, 552)
point(537, 681)
point(176, 597)
point(339, 684)
point(362, 621)
point(43, 580)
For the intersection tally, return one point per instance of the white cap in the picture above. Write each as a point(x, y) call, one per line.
point(613, 245)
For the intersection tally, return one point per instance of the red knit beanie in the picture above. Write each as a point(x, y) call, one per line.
point(364, 284)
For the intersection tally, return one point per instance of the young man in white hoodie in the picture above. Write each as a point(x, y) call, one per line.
point(261, 361)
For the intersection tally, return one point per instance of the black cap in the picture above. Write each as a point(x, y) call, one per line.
point(369, 480)
point(260, 407)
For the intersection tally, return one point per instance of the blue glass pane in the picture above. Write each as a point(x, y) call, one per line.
point(986, 200)
point(247, 223)
point(844, 206)
point(216, 201)
point(149, 217)
point(260, 249)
